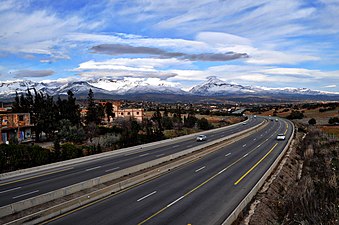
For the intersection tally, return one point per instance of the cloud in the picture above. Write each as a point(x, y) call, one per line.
point(133, 63)
point(130, 67)
point(331, 86)
point(162, 75)
point(118, 49)
point(28, 30)
point(32, 73)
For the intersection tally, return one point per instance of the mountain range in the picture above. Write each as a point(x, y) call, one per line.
point(146, 89)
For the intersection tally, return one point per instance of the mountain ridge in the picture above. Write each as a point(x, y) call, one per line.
point(129, 87)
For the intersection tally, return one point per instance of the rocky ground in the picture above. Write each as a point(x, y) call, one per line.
point(304, 188)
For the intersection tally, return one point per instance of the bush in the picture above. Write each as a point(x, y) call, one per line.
point(203, 124)
point(333, 120)
point(70, 151)
point(14, 157)
point(295, 115)
point(312, 121)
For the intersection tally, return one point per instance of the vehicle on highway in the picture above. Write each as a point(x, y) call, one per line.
point(244, 123)
point(255, 116)
point(276, 120)
point(281, 137)
point(201, 137)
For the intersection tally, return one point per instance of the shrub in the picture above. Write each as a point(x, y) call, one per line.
point(312, 121)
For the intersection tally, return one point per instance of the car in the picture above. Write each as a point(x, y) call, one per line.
point(244, 123)
point(281, 137)
point(276, 120)
point(201, 137)
point(255, 116)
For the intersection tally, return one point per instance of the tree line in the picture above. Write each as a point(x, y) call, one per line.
point(61, 123)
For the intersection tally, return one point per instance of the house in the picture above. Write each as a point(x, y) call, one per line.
point(118, 112)
point(138, 114)
point(15, 127)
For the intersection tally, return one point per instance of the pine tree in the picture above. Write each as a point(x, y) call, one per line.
point(92, 112)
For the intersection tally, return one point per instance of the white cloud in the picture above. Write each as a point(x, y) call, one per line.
point(37, 32)
point(144, 64)
point(222, 39)
point(331, 86)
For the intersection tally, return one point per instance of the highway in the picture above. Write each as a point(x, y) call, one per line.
point(203, 192)
point(30, 185)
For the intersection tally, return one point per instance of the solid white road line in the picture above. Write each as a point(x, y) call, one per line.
point(32, 192)
point(200, 169)
point(169, 205)
point(140, 199)
point(245, 155)
point(94, 168)
point(112, 169)
point(143, 154)
point(13, 189)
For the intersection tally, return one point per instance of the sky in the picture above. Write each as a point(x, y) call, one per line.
point(280, 43)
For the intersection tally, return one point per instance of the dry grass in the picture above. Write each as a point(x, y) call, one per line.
point(321, 117)
point(330, 130)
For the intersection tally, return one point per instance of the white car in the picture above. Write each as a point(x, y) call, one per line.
point(281, 137)
point(201, 137)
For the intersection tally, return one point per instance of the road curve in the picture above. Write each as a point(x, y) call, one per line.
point(203, 192)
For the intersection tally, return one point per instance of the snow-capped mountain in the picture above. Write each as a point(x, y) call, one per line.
point(107, 86)
point(215, 86)
point(136, 85)
point(154, 87)
point(8, 88)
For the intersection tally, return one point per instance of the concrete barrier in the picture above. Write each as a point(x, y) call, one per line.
point(143, 147)
point(37, 200)
point(234, 215)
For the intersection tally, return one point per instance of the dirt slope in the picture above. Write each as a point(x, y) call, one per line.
point(304, 189)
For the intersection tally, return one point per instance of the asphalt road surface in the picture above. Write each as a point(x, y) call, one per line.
point(203, 192)
point(30, 185)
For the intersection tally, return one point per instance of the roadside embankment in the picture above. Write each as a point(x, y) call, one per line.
point(305, 187)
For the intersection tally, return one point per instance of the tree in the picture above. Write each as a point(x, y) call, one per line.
point(157, 119)
point(295, 115)
point(109, 110)
point(92, 111)
point(190, 121)
point(203, 124)
point(333, 120)
point(312, 121)
point(73, 112)
point(167, 122)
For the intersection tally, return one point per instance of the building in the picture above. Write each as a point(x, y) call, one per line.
point(127, 113)
point(138, 114)
point(15, 127)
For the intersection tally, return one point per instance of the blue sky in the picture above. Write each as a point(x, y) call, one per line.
point(281, 43)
